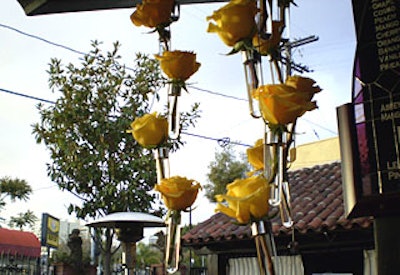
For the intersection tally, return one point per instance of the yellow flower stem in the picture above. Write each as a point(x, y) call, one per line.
point(250, 60)
point(263, 17)
point(274, 163)
point(162, 163)
point(260, 259)
point(164, 36)
point(278, 70)
point(270, 264)
point(173, 114)
point(290, 139)
point(173, 241)
point(282, 13)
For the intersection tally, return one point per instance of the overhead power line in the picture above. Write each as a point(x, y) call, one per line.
point(218, 94)
point(83, 53)
point(27, 96)
point(41, 39)
point(223, 142)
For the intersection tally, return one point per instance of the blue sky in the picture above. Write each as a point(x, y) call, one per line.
point(24, 61)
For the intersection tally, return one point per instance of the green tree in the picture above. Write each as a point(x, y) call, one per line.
point(17, 189)
point(13, 189)
point(226, 167)
point(23, 219)
point(146, 255)
point(85, 131)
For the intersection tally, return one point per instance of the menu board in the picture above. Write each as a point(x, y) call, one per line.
point(376, 95)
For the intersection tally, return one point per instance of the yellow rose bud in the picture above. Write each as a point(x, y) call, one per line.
point(152, 13)
point(178, 193)
point(235, 21)
point(247, 199)
point(178, 65)
point(255, 155)
point(270, 45)
point(150, 130)
point(282, 104)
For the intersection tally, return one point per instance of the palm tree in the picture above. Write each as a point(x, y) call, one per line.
point(14, 189)
point(23, 219)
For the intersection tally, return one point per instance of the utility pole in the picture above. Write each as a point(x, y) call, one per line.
point(287, 49)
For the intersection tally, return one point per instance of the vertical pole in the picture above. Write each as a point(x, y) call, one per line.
point(48, 260)
point(387, 244)
point(190, 250)
point(129, 257)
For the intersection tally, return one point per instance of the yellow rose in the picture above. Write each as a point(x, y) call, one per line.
point(247, 199)
point(152, 13)
point(270, 45)
point(178, 65)
point(255, 155)
point(178, 193)
point(303, 85)
point(283, 104)
point(150, 130)
point(235, 21)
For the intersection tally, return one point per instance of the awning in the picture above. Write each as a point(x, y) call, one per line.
point(37, 7)
point(19, 243)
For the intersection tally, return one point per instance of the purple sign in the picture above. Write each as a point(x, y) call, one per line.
point(376, 97)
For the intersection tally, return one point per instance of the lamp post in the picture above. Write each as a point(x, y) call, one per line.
point(129, 228)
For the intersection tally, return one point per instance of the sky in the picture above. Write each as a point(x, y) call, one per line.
point(28, 43)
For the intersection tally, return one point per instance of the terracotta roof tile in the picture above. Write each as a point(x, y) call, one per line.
point(317, 204)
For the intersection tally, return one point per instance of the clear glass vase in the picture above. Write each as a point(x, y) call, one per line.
point(274, 163)
point(285, 207)
point(173, 242)
point(253, 74)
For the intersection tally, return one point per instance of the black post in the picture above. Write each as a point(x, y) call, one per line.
point(387, 244)
point(48, 260)
point(375, 98)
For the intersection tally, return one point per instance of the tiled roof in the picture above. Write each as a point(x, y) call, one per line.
point(317, 205)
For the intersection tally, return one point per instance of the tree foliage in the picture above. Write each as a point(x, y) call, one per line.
point(92, 156)
point(226, 167)
point(85, 131)
point(23, 219)
point(14, 189)
point(146, 255)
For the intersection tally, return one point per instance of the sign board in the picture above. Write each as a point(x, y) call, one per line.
point(376, 105)
point(50, 231)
